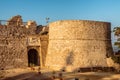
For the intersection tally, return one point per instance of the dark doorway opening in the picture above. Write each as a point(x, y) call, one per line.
point(33, 58)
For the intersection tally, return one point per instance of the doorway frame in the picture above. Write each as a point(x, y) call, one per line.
point(38, 49)
point(33, 57)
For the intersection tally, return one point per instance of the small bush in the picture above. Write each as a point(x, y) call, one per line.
point(116, 59)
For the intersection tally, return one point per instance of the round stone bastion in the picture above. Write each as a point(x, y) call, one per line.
point(77, 44)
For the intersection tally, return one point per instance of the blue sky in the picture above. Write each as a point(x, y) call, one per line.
point(38, 10)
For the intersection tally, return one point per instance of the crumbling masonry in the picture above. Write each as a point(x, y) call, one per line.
point(62, 44)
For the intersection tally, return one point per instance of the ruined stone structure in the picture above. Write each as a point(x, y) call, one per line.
point(22, 45)
point(70, 44)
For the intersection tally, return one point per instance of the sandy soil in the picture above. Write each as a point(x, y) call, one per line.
point(28, 74)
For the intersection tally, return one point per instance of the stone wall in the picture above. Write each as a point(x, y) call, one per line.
point(15, 20)
point(44, 47)
point(71, 44)
point(78, 43)
point(15, 43)
point(12, 47)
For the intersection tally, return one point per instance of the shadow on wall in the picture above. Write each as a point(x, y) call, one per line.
point(69, 60)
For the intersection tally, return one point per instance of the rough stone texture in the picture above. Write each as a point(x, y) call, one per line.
point(12, 48)
point(16, 21)
point(72, 43)
point(44, 47)
point(78, 43)
point(14, 44)
point(31, 24)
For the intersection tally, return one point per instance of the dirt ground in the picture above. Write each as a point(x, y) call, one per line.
point(29, 74)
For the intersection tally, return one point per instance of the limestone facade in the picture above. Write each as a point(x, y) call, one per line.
point(17, 40)
point(61, 44)
point(78, 43)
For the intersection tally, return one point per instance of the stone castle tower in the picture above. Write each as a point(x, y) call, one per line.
point(78, 43)
point(63, 44)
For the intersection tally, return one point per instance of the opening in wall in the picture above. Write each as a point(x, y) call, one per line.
point(33, 58)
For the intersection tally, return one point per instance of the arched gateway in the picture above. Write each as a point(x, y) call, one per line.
point(33, 58)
